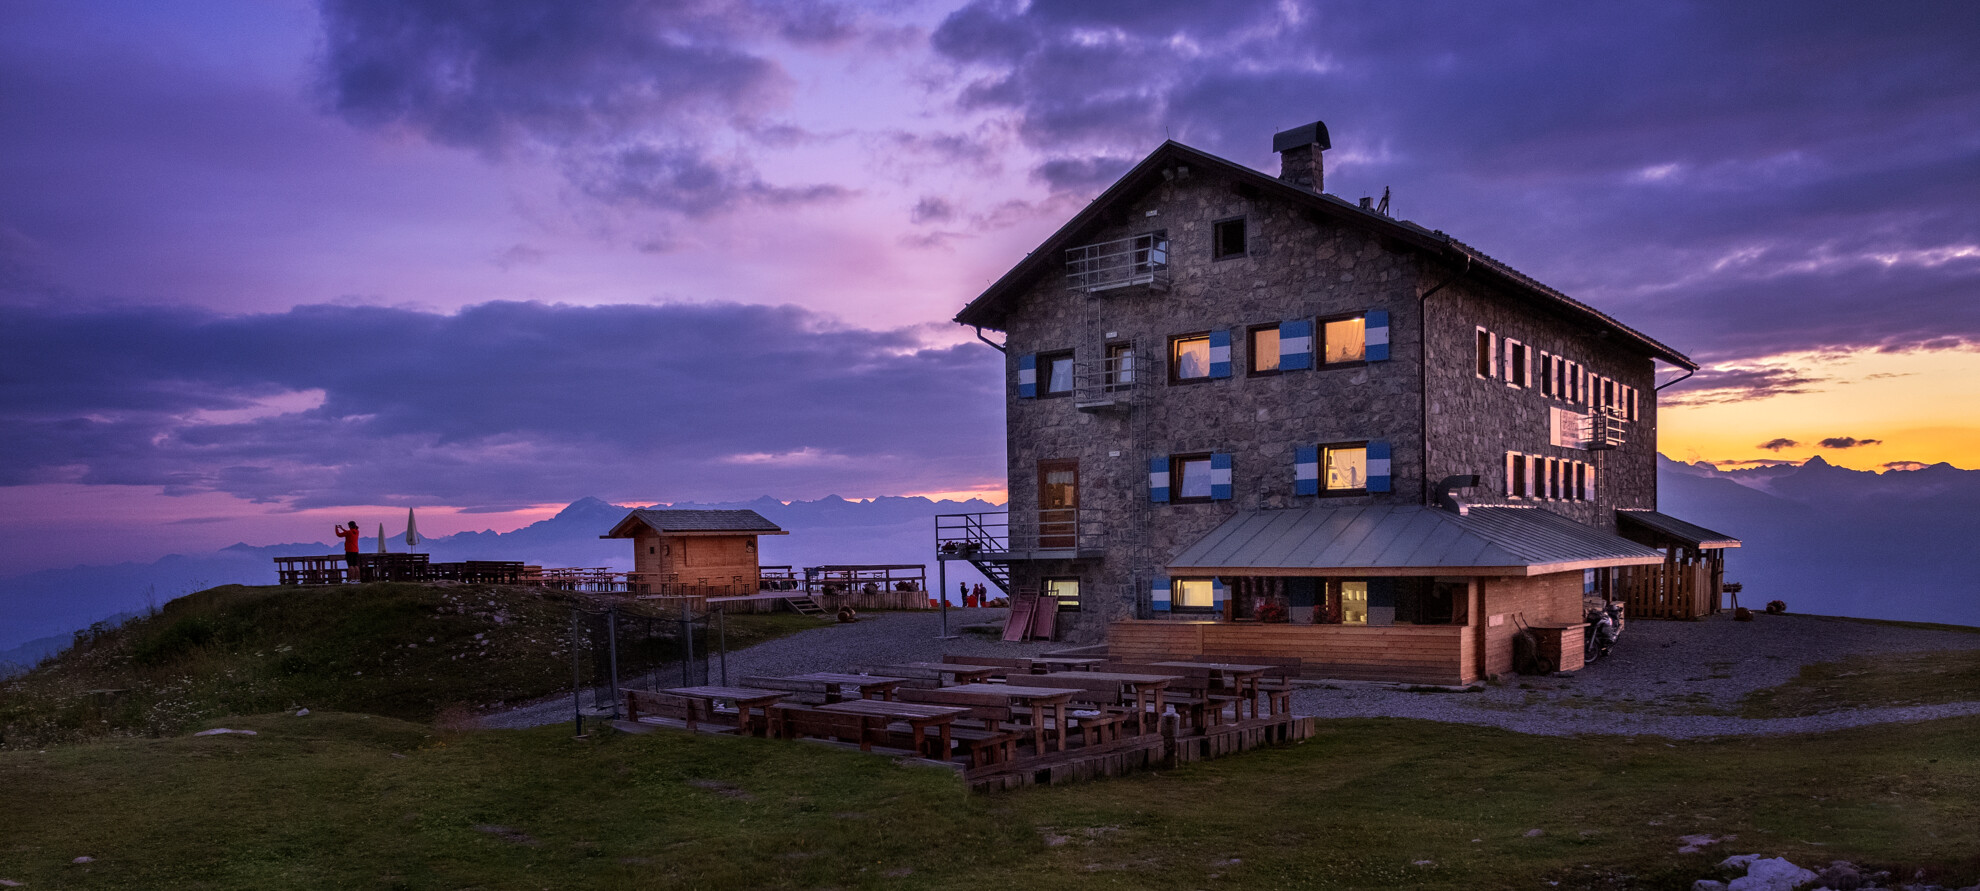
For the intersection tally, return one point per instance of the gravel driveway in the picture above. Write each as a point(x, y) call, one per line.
point(1660, 676)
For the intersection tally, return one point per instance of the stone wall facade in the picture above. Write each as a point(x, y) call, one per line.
point(1299, 264)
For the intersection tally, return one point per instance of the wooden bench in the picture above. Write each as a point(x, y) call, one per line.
point(1193, 693)
point(806, 692)
point(1276, 685)
point(1015, 665)
point(997, 739)
point(646, 707)
point(799, 722)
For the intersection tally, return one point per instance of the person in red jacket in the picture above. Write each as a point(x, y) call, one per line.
point(350, 536)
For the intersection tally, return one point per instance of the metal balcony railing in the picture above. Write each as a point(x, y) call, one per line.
point(997, 534)
point(1108, 383)
point(1605, 428)
point(1137, 260)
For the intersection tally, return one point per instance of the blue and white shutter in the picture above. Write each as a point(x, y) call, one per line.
point(1220, 353)
point(1217, 594)
point(1220, 477)
point(1158, 479)
point(1306, 470)
point(1158, 595)
point(1378, 335)
point(1296, 345)
point(1028, 376)
point(1378, 465)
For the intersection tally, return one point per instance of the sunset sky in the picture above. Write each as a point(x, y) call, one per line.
point(267, 266)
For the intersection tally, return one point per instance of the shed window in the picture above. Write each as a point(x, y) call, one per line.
point(1065, 591)
point(1227, 239)
point(1195, 593)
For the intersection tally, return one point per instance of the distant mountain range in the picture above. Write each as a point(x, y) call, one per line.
point(1822, 538)
point(828, 530)
point(1830, 540)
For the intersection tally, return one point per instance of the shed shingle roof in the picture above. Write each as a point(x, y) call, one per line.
point(1406, 540)
point(690, 521)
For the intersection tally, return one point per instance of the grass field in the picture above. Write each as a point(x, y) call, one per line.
point(396, 650)
point(336, 800)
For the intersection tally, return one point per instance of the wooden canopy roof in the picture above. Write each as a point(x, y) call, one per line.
point(695, 522)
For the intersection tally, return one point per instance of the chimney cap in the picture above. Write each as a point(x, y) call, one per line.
point(1314, 134)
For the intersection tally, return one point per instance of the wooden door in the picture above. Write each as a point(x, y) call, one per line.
point(1058, 504)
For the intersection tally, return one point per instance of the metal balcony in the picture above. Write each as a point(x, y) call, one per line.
point(1605, 429)
point(1108, 385)
point(997, 538)
point(1138, 260)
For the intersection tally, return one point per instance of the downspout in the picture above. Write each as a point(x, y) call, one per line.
point(1660, 387)
point(1423, 372)
point(993, 345)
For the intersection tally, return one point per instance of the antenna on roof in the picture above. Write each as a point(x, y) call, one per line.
point(1383, 208)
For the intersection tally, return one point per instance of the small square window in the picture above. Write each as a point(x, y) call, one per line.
point(1194, 593)
point(1265, 349)
point(1227, 239)
point(1065, 591)
point(1056, 373)
point(1344, 340)
point(1189, 478)
point(1344, 468)
point(1189, 357)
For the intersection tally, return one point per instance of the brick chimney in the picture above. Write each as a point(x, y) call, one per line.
point(1299, 155)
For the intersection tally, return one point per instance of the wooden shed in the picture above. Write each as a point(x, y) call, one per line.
point(703, 553)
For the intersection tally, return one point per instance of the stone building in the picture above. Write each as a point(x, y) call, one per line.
point(1248, 416)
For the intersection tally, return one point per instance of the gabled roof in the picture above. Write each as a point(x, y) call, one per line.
point(695, 522)
point(1669, 527)
point(1406, 540)
point(990, 308)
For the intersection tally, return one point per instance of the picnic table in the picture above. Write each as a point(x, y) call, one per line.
point(869, 686)
point(919, 717)
point(959, 673)
point(1043, 702)
point(1067, 663)
point(1244, 677)
point(1147, 689)
point(743, 698)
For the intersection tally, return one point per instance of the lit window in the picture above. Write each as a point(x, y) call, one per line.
point(1189, 357)
point(1066, 591)
point(1227, 239)
point(1194, 594)
point(1354, 603)
point(1189, 478)
point(1265, 349)
point(1058, 373)
point(1344, 340)
point(1345, 467)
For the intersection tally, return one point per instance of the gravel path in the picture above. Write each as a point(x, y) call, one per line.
point(1661, 675)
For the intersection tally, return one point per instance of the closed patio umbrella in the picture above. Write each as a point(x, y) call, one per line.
point(412, 529)
point(381, 538)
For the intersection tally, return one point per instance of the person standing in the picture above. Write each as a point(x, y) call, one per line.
point(350, 536)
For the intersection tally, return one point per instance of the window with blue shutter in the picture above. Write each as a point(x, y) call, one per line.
point(1217, 595)
point(1306, 470)
point(1220, 353)
point(1028, 376)
point(1158, 479)
point(1158, 595)
point(1378, 465)
point(1296, 345)
point(1378, 335)
point(1220, 477)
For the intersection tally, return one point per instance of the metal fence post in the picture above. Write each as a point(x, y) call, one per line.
point(722, 637)
point(577, 677)
point(687, 645)
point(612, 645)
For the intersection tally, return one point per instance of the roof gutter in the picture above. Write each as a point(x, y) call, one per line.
point(993, 344)
point(1423, 371)
point(1687, 373)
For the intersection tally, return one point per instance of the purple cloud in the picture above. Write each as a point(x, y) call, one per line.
point(1710, 386)
point(1848, 442)
point(500, 404)
point(1775, 445)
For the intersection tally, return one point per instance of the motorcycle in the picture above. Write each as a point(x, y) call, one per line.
point(1605, 625)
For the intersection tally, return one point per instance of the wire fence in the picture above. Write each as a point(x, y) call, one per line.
point(616, 648)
